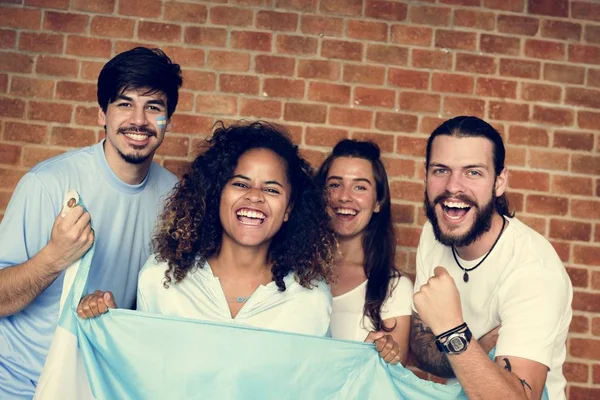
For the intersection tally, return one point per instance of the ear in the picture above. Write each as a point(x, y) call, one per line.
point(377, 208)
point(168, 126)
point(101, 117)
point(501, 183)
point(288, 211)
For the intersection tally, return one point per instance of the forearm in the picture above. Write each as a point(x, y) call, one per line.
point(481, 378)
point(425, 353)
point(21, 284)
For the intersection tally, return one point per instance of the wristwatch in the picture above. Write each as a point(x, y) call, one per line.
point(455, 343)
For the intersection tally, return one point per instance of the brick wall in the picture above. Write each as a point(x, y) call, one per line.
point(389, 71)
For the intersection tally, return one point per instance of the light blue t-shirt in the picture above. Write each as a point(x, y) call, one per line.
point(123, 219)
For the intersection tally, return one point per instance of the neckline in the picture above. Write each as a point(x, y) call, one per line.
point(111, 177)
point(363, 283)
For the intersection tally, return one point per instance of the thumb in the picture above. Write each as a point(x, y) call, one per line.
point(109, 299)
point(373, 336)
point(439, 271)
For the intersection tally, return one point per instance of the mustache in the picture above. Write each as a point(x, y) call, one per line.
point(137, 129)
point(460, 196)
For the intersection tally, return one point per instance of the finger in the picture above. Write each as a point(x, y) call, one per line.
point(440, 271)
point(395, 360)
point(373, 336)
point(109, 299)
point(72, 216)
point(382, 345)
point(83, 222)
point(389, 357)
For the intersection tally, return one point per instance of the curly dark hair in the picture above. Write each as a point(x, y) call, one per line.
point(379, 241)
point(189, 230)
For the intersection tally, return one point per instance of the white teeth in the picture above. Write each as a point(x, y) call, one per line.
point(452, 204)
point(345, 211)
point(135, 136)
point(251, 214)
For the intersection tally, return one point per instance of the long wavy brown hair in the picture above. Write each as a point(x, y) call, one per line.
point(189, 230)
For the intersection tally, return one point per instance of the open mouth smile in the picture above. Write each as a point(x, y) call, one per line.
point(455, 210)
point(248, 216)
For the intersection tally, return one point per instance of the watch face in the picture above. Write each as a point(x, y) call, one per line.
point(456, 344)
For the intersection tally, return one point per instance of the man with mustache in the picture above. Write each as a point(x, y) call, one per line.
point(122, 190)
point(481, 270)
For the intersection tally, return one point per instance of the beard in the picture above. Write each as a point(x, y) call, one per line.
point(481, 224)
point(135, 157)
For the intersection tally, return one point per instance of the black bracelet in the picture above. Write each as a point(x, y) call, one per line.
point(451, 331)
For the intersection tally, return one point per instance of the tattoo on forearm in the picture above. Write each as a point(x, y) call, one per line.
point(425, 353)
point(507, 366)
point(525, 384)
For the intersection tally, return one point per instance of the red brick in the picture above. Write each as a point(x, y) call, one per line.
point(71, 137)
point(278, 87)
point(587, 209)
point(597, 230)
point(588, 119)
point(365, 74)
point(386, 10)
point(29, 87)
point(296, 44)
point(570, 230)
point(15, 62)
point(141, 8)
point(319, 25)
point(518, 25)
point(488, 87)
point(186, 12)
point(41, 42)
point(259, 41)
point(452, 39)
point(8, 38)
point(572, 185)
point(298, 5)
point(555, 8)
point(520, 68)
point(26, 18)
point(586, 348)
point(553, 116)
point(403, 213)
point(583, 97)
point(587, 255)
point(185, 56)
point(11, 107)
point(434, 59)
point(89, 47)
point(596, 285)
point(592, 34)
point(329, 93)
point(25, 132)
point(536, 181)
point(231, 16)
point(96, 6)
point(191, 124)
point(112, 27)
point(177, 167)
point(396, 122)
point(390, 55)
point(10, 154)
point(199, 80)
point(408, 78)
point(155, 31)
point(561, 30)
point(584, 54)
point(350, 117)
point(348, 7)
point(319, 69)
point(428, 15)
point(418, 101)
point(475, 19)
point(3, 83)
point(579, 324)
point(596, 373)
point(544, 49)
point(500, 44)
point(383, 140)
point(529, 136)
point(454, 106)
point(411, 35)
point(315, 113)
point(366, 30)
point(342, 50)
point(585, 10)
point(583, 393)
point(540, 92)
point(506, 5)
point(452, 83)
point(579, 277)
point(593, 77)
point(35, 155)
point(563, 249)
point(326, 137)
point(475, 63)
point(374, 97)
point(65, 22)
point(10, 177)
point(86, 115)
point(260, 108)
point(174, 146)
point(206, 36)
point(407, 190)
point(574, 140)
point(472, 3)
point(239, 84)
point(60, 4)
point(274, 65)
point(551, 160)
point(52, 112)
point(76, 91)
point(585, 164)
point(509, 111)
point(216, 104)
point(186, 101)
point(516, 156)
point(276, 21)
point(564, 73)
point(407, 236)
point(410, 145)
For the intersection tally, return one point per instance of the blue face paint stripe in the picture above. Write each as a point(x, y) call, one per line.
point(161, 121)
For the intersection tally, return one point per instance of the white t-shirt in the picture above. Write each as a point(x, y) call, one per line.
point(200, 295)
point(348, 320)
point(522, 285)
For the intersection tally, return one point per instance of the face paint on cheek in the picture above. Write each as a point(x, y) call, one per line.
point(161, 121)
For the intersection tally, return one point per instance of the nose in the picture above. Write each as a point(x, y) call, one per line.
point(138, 116)
point(345, 194)
point(255, 195)
point(455, 183)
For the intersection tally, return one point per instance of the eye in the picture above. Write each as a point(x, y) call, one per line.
point(272, 191)
point(240, 185)
point(361, 188)
point(439, 171)
point(124, 104)
point(154, 108)
point(333, 185)
point(473, 173)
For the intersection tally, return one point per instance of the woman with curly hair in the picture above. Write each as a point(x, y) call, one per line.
point(371, 302)
point(244, 238)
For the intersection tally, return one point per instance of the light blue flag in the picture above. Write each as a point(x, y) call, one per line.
point(137, 355)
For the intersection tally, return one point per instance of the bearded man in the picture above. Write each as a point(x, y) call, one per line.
point(484, 278)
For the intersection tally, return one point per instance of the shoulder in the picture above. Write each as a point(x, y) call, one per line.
point(152, 273)
point(401, 284)
point(162, 176)
point(318, 294)
point(58, 164)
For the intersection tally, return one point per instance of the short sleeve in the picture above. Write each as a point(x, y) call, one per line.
point(532, 306)
point(27, 223)
point(313, 312)
point(400, 301)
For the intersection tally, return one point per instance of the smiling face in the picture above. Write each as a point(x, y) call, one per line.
point(461, 188)
point(255, 202)
point(352, 195)
point(135, 123)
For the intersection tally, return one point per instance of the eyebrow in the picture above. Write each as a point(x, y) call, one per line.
point(470, 166)
point(353, 180)
point(153, 101)
point(244, 177)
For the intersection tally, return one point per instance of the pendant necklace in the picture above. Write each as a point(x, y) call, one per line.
point(238, 299)
point(467, 270)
